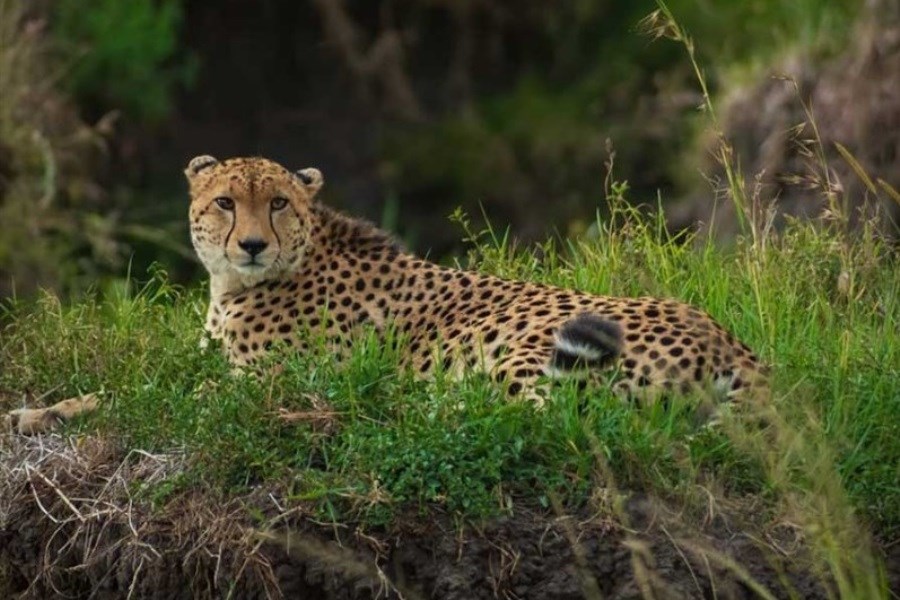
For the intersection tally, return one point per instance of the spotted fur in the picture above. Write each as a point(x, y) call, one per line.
point(282, 264)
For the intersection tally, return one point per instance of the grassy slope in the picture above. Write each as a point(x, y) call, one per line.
point(458, 447)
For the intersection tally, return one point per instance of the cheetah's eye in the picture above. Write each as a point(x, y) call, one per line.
point(225, 203)
point(278, 203)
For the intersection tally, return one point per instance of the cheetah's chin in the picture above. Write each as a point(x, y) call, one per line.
point(252, 273)
point(251, 268)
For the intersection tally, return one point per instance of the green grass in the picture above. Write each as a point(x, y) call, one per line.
point(458, 446)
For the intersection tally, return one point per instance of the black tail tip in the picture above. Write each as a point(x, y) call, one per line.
point(587, 340)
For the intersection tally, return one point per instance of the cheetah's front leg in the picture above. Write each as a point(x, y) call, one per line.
point(32, 421)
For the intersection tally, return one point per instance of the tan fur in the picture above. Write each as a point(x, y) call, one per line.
point(31, 421)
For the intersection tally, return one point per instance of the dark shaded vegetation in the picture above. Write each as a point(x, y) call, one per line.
point(53, 230)
point(410, 108)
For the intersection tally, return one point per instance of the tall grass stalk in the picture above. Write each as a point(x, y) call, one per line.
point(799, 459)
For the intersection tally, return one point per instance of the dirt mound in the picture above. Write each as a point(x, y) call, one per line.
point(72, 522)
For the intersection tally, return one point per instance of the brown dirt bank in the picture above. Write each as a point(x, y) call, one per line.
point(71, 523)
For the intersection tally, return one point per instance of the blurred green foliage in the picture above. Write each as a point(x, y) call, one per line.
point(755, 29)
point(55, 231)
point(522, 123)
point(535, 149)
point(126, 54)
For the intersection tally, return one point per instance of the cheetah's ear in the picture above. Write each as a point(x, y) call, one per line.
point(312, 180)
point(198, 163)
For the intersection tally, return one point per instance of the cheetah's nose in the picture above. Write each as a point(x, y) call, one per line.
point(252, 246)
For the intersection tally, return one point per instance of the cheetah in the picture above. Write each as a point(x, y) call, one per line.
point(282, 264)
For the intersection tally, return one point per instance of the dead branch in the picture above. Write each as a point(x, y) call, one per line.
point(378, 68)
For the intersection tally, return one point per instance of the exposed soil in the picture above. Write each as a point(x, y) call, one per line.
point(70, 525)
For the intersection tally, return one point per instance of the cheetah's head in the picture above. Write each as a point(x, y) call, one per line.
point(250, 217)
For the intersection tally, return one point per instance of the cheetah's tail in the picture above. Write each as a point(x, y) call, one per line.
point(587, 341)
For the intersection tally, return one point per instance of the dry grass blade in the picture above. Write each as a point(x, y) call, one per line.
point(660, 24)
point(30, 471)
point(305, 416)
point(890, 191)
point(336, 559)
point(857, 168)
point(729, 565)
point(80, 500)
point(321, 416)
point(589, 585)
